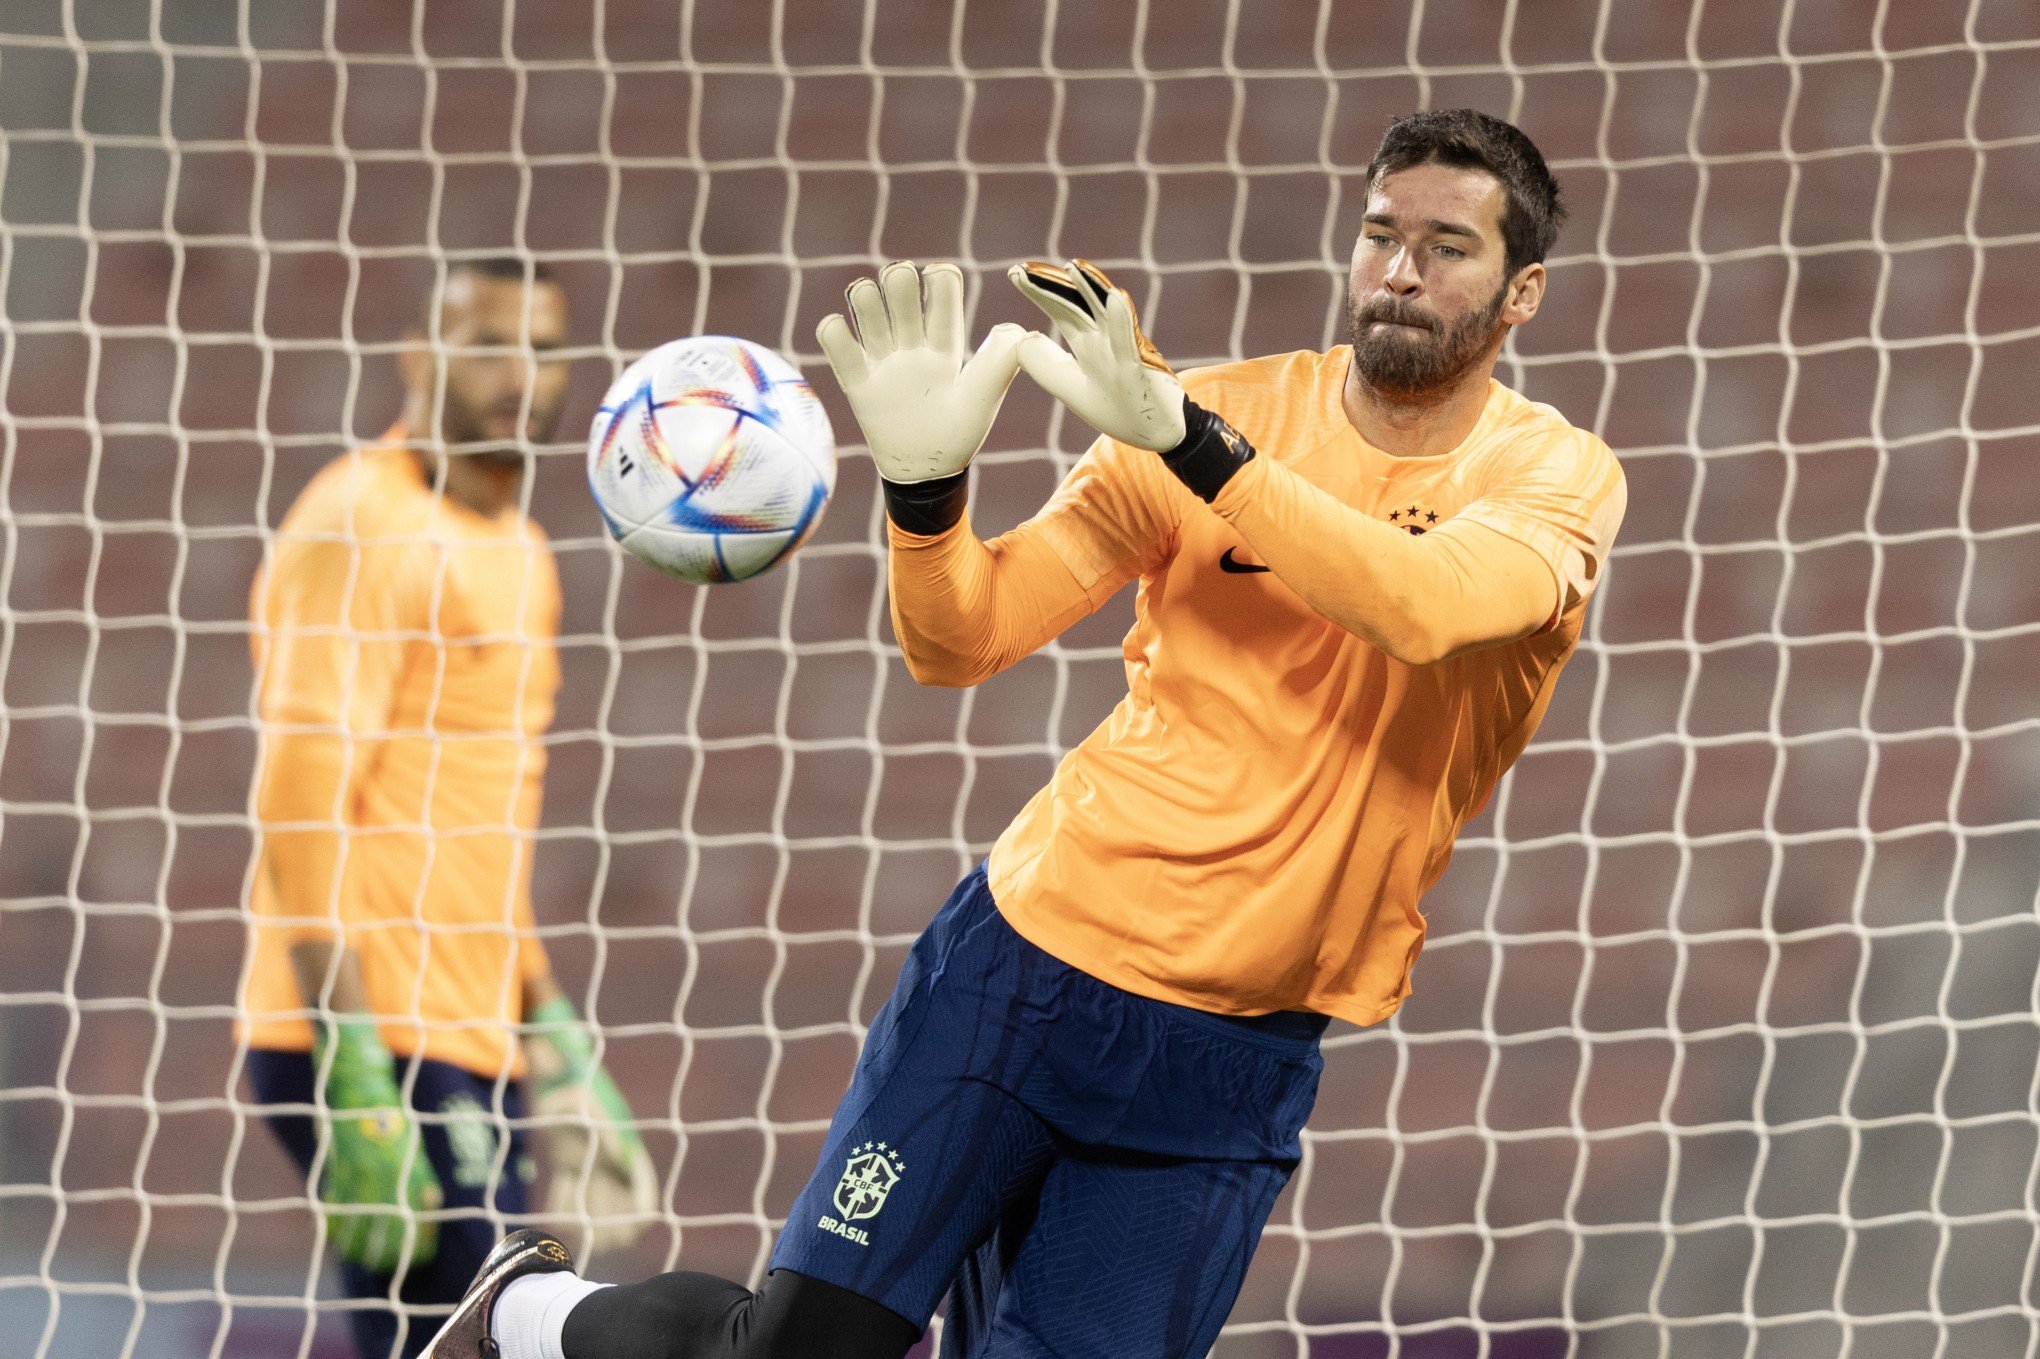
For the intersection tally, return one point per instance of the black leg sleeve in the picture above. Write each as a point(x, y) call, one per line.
point(699, 1316)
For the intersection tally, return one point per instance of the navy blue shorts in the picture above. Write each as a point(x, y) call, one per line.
point(484, 1181)
point(1091, 1169)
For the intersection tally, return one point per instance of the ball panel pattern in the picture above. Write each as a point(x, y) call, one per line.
point(704, 445)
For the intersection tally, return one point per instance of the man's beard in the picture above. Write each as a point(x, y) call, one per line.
point(464, 428)
point(1406, 369)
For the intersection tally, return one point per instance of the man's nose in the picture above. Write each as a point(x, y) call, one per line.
point(1402, 277)
point(519, 373)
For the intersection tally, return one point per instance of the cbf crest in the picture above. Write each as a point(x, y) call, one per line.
point(870, 1175)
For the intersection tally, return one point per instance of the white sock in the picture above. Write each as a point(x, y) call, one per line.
point(532, 1311)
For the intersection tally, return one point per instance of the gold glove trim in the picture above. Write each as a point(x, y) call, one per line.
point(1053, 278)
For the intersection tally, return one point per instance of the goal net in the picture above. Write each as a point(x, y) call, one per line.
point(1724, 1040)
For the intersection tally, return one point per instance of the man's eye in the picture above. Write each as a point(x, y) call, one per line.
point(1452, 252)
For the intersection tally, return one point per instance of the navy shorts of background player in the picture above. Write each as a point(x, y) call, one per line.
point(483, 1182)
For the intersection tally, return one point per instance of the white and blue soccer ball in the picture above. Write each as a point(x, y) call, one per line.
point(711, 458)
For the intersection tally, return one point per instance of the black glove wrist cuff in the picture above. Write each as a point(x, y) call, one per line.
point(1210, 453)
point(927, 507)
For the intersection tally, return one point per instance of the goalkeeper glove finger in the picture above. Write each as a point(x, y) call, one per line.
point(377, 1186)
point(600, 1175)
point(1112, 375)
point(599, 1169)
point(925, 408)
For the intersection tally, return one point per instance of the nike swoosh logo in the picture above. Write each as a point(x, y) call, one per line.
point(1237, 568)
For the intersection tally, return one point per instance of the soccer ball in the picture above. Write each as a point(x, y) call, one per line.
point(711, 458)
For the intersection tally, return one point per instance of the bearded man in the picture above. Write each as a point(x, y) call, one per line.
point(1359, 574)
point(397, 1000)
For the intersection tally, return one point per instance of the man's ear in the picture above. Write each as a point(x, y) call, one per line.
point(1526, 294)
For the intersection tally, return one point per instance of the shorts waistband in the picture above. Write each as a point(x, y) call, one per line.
point(1284, 1030)
point(1289, 1032)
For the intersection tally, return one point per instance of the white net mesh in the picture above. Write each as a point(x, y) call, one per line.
point(1724, 1042)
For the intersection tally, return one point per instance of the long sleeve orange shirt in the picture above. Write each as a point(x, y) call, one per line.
point(406, 671)
point(1330, 667)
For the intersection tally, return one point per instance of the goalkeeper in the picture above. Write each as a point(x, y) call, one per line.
point(1360, 573)
point(403, 629)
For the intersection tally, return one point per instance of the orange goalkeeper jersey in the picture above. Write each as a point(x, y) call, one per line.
point(1252, 827)
point(404, 652)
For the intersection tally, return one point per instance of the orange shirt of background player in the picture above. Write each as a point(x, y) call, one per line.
point(405, 652)
point(1251, 828)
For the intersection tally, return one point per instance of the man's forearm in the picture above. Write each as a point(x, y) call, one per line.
point(301, 804)
point(329, 976)
point(1419, 600)
point(539, 990)
point(964, 609)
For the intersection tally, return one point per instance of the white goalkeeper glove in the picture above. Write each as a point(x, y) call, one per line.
point(923, 406)
point(599, 1172)
point(1111, 376)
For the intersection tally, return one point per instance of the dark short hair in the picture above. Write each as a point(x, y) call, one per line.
point(1475, 140)
point(503, 268)
point(509, 268)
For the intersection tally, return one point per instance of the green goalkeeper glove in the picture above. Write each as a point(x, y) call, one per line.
point(376, 1182)
point(600, 1170)
point(1112, 376)
point(923, 406)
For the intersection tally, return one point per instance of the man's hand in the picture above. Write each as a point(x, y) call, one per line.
point(376, 1181)
point(598, 1166)
point(924, 408)
point(1111, 376)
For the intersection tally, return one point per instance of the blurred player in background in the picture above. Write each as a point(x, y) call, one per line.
point(403, 633)
point(1360, 573)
